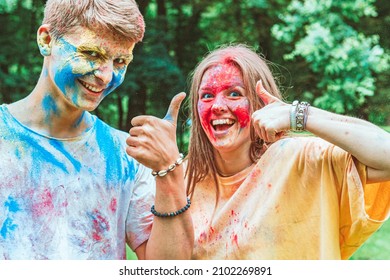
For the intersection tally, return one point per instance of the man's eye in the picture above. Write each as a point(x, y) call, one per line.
point(91, 53)
point(206, 96)
point(120, 61)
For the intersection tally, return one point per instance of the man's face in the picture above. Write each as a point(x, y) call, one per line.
point(85, 66)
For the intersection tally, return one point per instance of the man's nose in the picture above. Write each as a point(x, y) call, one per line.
point(105, 72)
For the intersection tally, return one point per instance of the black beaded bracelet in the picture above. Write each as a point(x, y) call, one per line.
point(172, 214)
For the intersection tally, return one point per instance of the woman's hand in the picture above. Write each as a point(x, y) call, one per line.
point(273, 120)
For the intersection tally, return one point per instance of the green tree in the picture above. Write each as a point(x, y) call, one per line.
point(343, 61)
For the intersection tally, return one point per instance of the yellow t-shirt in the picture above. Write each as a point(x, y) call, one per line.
point(304, 199)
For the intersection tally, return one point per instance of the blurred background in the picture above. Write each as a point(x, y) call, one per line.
point(333, 54)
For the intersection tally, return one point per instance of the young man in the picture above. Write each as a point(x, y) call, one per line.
point(68, 190)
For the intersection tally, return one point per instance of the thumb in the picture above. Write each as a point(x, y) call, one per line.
point(173, 110)
point(264, 95)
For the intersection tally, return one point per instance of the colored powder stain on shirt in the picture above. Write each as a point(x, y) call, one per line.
point(7, 227)
point(234, 238)
point(100, 225)
point(40, 154)
point(43, 203)
point(60, 147)
point(12, 205)
point(109, 150)
point(113, 205)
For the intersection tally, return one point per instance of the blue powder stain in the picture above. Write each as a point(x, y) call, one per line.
point(12, 205)
point(49, 105)
point(65, 78)
point(7, 227)
point(77, 124)
point(40, 154)
point(109, 152)
point(60, 147)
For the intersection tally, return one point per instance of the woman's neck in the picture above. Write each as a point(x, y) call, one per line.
point(231, 162)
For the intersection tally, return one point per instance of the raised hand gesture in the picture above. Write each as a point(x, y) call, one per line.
point(271, 121)
point(152, 140)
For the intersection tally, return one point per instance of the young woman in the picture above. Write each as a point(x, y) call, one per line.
point(259, 192)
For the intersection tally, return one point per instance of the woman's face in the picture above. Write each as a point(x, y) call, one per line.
point(223, 107)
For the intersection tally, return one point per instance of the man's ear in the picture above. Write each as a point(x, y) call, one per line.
point(44, 40)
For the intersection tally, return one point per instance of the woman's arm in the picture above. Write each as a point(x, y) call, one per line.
point(365, 141)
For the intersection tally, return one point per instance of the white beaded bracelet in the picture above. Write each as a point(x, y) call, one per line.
point(172, 167)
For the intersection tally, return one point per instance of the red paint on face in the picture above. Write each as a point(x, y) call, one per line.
point(221, 95)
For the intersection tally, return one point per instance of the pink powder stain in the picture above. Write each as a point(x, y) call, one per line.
point(42, 203)
point(113, 204)
point(234, 239)
point(202, 238)
point(100, 225)
point(242, 113)
point(269, 185)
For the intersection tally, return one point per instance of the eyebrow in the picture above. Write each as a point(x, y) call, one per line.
point(128, 57)
point(99, 50)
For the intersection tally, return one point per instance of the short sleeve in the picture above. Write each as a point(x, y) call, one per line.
point(363, 207)
point(139, 218)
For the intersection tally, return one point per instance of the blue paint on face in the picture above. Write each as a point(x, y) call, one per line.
point(12, 205)
point(71, 64)
point(117, 79)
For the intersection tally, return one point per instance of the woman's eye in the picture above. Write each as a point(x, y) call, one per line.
point(206, 96)
point(235, 94)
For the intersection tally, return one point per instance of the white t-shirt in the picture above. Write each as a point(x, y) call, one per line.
point(78, 198)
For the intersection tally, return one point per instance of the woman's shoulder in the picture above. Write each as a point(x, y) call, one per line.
point(301, 141)
point(299, 145)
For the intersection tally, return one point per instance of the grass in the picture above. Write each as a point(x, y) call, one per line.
point(377, 247)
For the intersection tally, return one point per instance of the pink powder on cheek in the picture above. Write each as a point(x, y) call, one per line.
point(204, 111)
point(242, 113)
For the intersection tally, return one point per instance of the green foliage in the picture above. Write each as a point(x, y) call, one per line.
point(344, 61)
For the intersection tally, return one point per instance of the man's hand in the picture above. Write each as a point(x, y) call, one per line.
point(152, 141)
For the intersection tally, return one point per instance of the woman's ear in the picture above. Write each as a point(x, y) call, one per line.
point(44, 40)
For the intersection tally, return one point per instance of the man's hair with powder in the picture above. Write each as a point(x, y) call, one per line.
point(121, 17)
